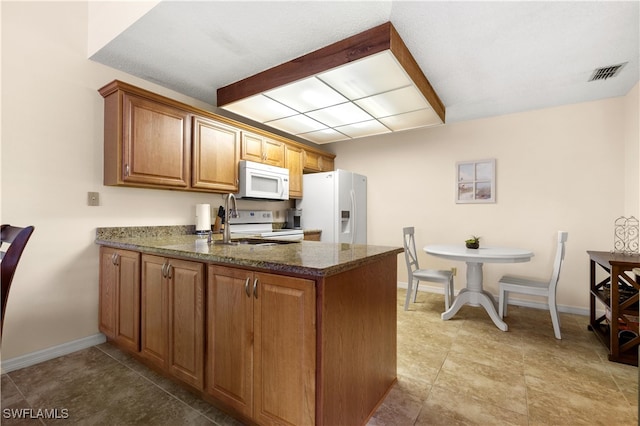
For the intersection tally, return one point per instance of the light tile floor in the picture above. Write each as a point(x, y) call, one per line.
point(463, 371)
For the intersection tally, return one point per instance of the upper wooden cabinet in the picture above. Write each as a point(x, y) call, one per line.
point(152, 139)
point(262, 149)
point(216, 150)
point(293, 156)
point(155, 142)
point(317, 162)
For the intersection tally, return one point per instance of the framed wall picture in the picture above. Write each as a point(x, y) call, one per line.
point(476, 181)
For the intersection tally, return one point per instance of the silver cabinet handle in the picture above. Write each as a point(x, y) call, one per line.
point(164, 269)
point(246, 287)
point(114, 258)
point(255, 288)
point(169, 270)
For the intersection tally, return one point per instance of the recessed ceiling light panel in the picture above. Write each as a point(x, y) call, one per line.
point(346, 86)
point(365, 128)
point(412, 120)
point(260, 108)
point(369, 76)
point(306, 95)
point(394, 102)
point(296, 124)
point(324, 136)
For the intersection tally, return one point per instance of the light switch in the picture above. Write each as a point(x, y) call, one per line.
point(93, 199)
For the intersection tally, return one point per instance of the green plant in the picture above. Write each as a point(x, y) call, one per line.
point(473, 242)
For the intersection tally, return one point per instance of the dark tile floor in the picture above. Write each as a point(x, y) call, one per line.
point(463, 371)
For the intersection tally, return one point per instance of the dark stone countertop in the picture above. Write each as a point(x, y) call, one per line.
point(309, 258)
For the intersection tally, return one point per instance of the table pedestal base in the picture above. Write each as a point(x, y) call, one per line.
point(475, 295)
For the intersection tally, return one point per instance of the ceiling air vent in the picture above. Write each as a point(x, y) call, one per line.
point(606, 72)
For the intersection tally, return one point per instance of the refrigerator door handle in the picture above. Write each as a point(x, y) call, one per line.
point(354, 215)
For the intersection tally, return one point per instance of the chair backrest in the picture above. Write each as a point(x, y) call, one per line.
point(17, 238)
point(410, 254)
point(557, 264)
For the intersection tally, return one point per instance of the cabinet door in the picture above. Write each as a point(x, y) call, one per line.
point(119, 308)
point(108, 282)
point(230, 337)
point(154, 311)
point(273, 152)
point(186, 321)
point(293, 157)
point(316, 162)
point(251, 147)
point(128, 300)
point(216, 151)
point(326, 164)
point(284, 350)
point(262, 150)
point(156, 143)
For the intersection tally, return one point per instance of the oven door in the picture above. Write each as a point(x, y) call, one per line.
point(283, 235)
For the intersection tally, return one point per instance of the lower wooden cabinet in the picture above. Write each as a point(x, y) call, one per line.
point(267, 348)
point(312, 235)
point(261, 353)
point(119, 308)
point(172, 317)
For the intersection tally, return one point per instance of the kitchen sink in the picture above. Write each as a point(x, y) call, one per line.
point(262, 241)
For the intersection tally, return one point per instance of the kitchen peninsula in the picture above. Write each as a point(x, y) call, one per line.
point(300, 333)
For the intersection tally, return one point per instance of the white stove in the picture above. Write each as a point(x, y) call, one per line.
point(260, 223)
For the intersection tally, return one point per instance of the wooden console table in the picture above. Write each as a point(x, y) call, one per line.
point(619, 293)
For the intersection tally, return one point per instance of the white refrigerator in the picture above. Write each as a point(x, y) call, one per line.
point(336, 203)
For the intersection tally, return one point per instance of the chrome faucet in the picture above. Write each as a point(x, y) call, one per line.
point(228, 214)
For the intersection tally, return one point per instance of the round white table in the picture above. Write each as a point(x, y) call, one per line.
point(474, 294)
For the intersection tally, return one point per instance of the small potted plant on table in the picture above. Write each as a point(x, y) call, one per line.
point(473, 242)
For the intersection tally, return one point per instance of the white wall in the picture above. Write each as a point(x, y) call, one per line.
point(557, 169)
point(632, 152)
point(107, 19)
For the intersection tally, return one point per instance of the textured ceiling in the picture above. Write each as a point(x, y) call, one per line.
point(482, 58)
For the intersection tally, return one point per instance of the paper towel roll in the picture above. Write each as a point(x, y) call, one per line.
point(203, 218)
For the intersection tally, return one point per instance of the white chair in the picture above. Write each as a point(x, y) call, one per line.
point(415, 273)
point(536, 287)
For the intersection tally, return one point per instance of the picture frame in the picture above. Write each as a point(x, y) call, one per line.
point(476, 181)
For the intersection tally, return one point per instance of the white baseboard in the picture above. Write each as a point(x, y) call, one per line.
point(512, 300)
point(50, 353)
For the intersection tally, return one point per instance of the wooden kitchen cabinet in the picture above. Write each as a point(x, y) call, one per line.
point(172, 317)
point(262, 149)
point(146, 142)
point(317, 162)
point(152, 141)
point(216, 151)
point(119, 308)
point(312, 235)
point(294, 162)
point(261, 354)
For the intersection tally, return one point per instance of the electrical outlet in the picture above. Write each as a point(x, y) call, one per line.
point(93, 199)
point(454, 271)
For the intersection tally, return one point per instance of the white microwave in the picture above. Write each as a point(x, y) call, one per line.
point(263, 181)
